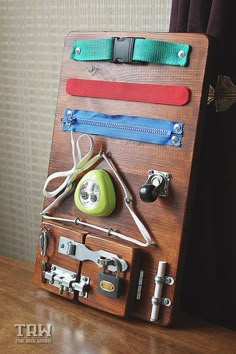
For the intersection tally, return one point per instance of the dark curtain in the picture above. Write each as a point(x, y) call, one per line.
point(209, 286)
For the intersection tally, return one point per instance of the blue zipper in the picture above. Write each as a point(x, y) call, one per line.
point(150, 130)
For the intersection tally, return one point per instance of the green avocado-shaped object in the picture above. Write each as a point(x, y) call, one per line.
point(95, 194)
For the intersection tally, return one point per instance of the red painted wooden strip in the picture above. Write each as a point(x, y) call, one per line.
point(162, 94)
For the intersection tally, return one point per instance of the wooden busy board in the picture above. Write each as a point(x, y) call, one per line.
point(166, 218)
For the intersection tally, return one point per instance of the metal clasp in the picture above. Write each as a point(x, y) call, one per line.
point(80, 252)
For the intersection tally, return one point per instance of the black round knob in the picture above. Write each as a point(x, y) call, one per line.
point(149, 193)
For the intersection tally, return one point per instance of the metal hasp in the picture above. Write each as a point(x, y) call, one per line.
point(65, 280)
point(156, 185)
point(157, 300)
point(80, 252)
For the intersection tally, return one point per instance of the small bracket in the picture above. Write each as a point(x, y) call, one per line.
point(80, 252)
point(65, 280)
point(82, 286)
point(164, 280)
point(165, 301)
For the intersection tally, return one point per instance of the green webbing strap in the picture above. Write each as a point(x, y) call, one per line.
point(94, 49)
point(145, 50)
point(159, 52)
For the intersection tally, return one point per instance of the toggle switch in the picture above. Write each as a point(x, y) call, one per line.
point(156, 185)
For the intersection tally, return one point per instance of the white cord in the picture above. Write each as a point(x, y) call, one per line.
point(80, 165)
point(99, 228)
point(127, 201)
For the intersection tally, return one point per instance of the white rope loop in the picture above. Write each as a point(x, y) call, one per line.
point(80, 165)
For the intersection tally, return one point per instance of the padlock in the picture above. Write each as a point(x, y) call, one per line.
point(108, 283)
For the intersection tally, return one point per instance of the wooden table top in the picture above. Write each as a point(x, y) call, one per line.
point(80, 329)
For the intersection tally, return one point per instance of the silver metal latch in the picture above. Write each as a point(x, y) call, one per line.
point(65, 280)
point(80, 252)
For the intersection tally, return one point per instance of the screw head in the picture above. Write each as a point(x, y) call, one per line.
point(77, 50)
point(151, 172)
point(69, 113)
point(177, 128)
point(166, 302)
point(174, 140)
point(181, 54)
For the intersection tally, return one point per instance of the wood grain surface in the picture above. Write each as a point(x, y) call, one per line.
point(166, 218)
point(80, 329)
point(128, 279)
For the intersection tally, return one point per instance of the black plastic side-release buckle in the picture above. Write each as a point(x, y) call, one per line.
point(123, 50)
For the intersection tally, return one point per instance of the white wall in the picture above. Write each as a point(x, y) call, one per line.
point(32, 36)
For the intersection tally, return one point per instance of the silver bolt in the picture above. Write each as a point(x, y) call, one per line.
point(54, 268)
point(77, 50)
point(62, 245)
point(174, 139)
point(177, 128)
point(181, 54)
point(69, 113)
point(166, 302)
